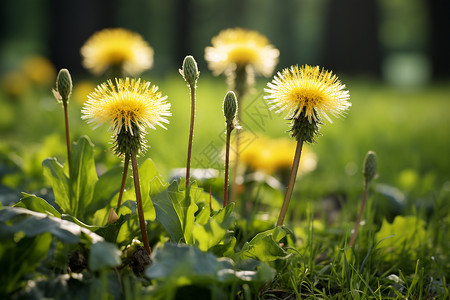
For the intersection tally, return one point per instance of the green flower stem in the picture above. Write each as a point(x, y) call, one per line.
point(191, 135)
point(227, 164)
point(240, 81)
point(66, 121)
point(124, 180)
point(140, 208)
point(233, 196)
point(358, 219)
point(292, 177)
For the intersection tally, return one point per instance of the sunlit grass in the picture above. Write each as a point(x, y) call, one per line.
point(408, 130)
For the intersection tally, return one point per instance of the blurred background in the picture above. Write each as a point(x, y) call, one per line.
point(405, 41)
point(393, 55)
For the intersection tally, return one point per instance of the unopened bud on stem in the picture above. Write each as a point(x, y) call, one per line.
point(230, 107)
point(189, 70)
point(370, 166)
point(63, 85)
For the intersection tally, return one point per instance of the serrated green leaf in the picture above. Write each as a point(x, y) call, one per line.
point(178, 262)
point(17, 219)
point(111, 231)
point(201, 199)
point(214, 231)
point(107, 186)
point(264, 246)
point(79, 223)
point(407, 233)
point(75, 193)
point(226, 247)
point(18, 259)
point(185, 208)
point(34, 203)
point(167, 216)
point(83, 176)
point(177, 265)
point(54, 172)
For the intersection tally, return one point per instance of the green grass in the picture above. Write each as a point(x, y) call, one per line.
point(408, 130)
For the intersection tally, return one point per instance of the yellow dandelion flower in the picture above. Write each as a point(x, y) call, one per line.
point(241, 47)
point(251, 154)
point(15, 83)
point(312, 90)
point(111, 48)
point(128, 105)
point(81, 90)
point(272, 155)
point(39, 69)
point(281, 152)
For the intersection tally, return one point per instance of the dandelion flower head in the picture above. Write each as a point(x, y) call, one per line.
point(39, 69)
point(117, 47)
point(241, 47)
point(316, 92)
point(126, 105)
point(272, 155)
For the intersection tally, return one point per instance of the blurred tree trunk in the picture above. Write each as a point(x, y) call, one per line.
point(72, 23)
point(351, 43)
point(286, 14)
point(440, 37)
point(183, 26)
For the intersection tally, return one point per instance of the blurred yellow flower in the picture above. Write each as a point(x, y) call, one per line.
point(317, 92)
point(117, 48)
point(127, 104)
point(15, 83)
point(239, 47)
point(272, 155)
point(39, 70)
point(81, 90)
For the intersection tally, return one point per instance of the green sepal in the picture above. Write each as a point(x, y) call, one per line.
point(303, 129)
point(64, 84)
point(127, 142)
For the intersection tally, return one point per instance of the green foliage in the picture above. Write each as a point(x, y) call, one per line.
point(103, 255)
point(185, 222)
point(179, 265)
point(26, 237)
point(34, 203)
point(265, 246)
point(178, 212)
point(20, 258)
point(408, 236)
point(74, 193)
point(214, 230)
point(235, 252)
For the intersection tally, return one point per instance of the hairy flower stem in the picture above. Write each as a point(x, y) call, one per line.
point(66, 121)
point(191, 135)
point(227, 165)
point(140, 208)
point(358, 220)
point(292, 177)
point(124, 180)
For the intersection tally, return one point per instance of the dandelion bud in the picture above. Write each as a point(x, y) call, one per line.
point(64, 84)
point(304, 129)
point(189, 70)
point(230, 107)
point(112, 217)
point(129, 141)
point(370, 166)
